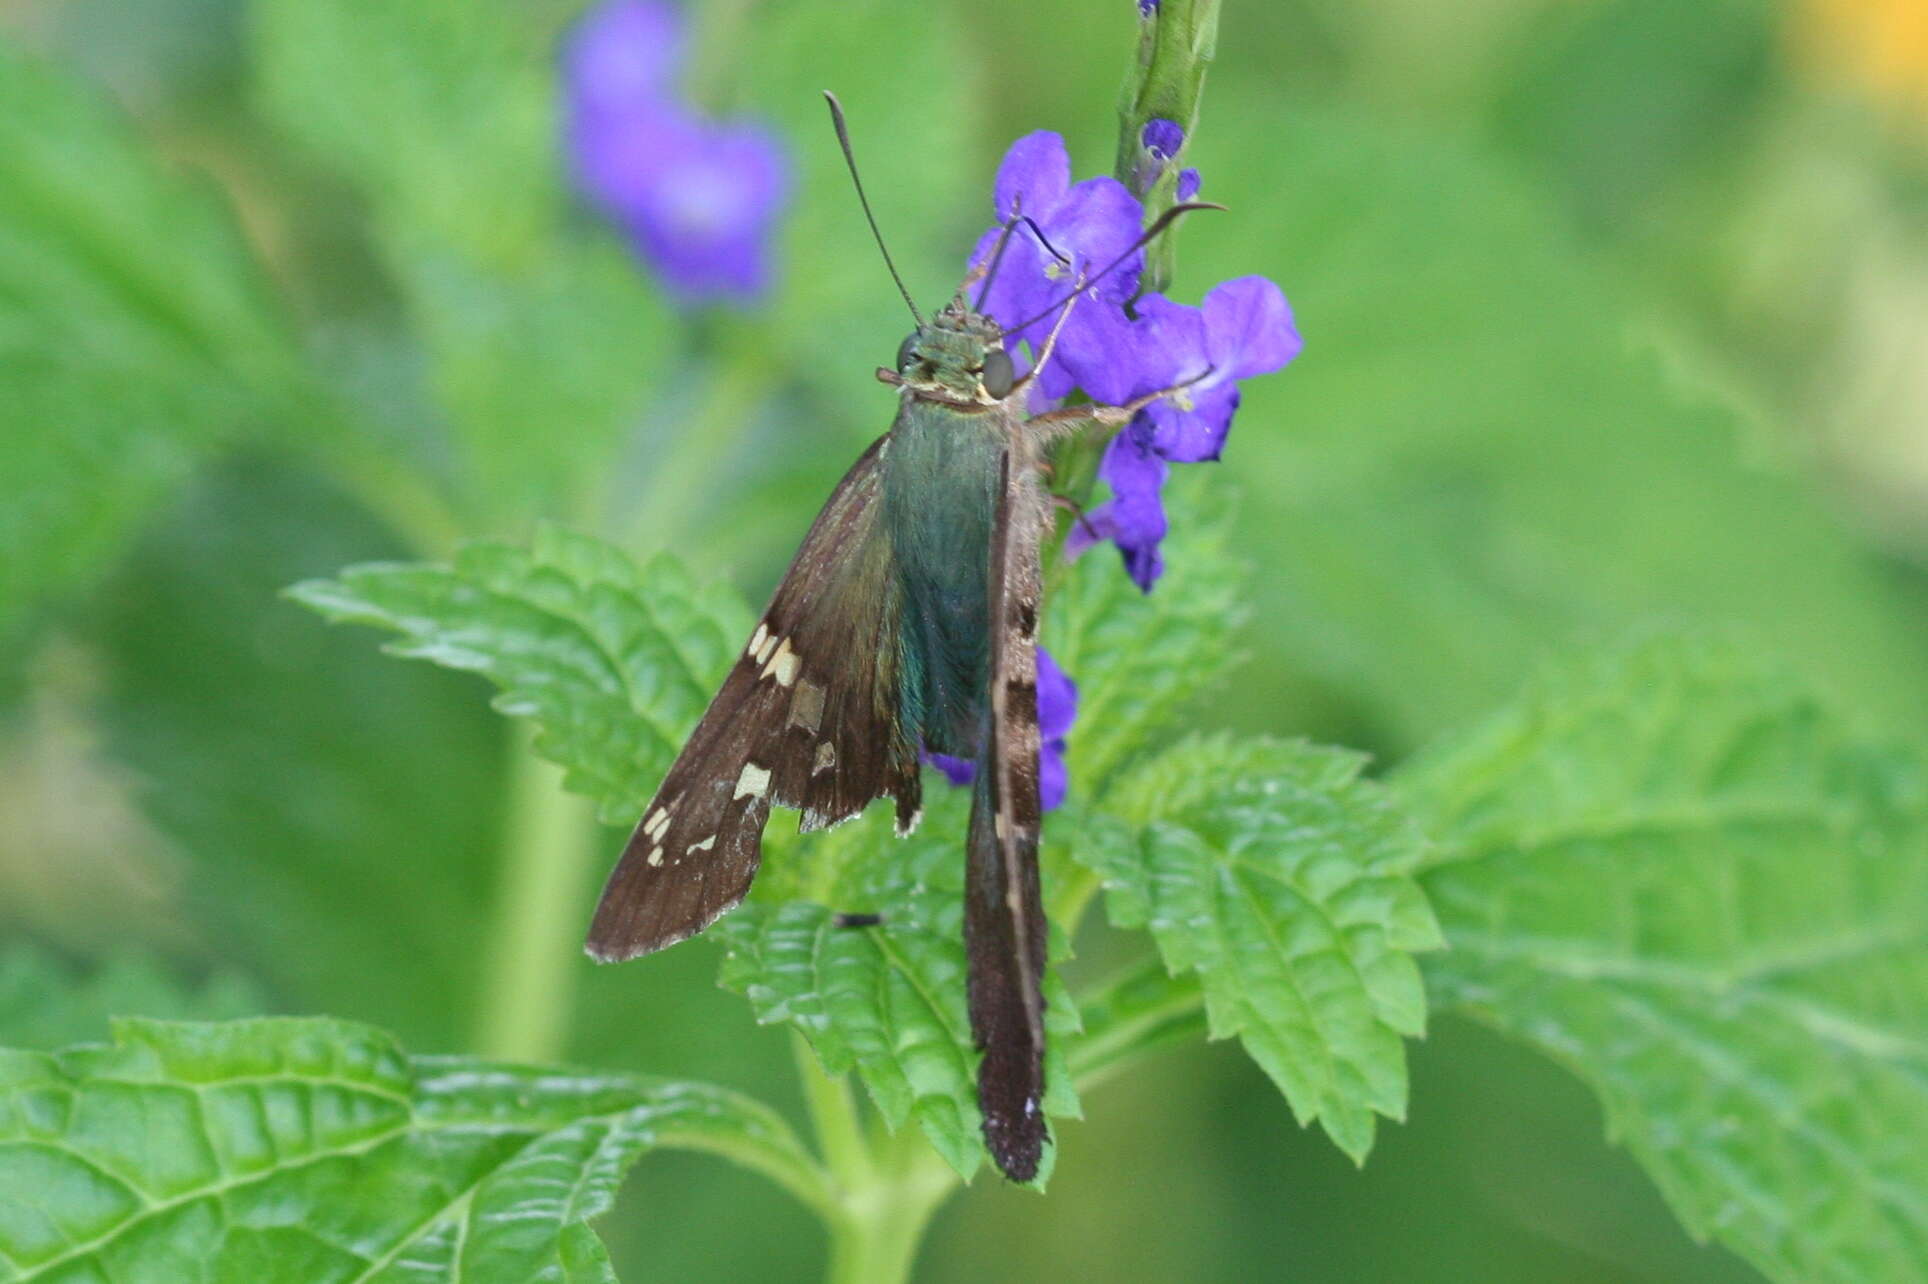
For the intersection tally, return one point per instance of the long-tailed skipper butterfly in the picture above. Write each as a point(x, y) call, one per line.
point(907, 622)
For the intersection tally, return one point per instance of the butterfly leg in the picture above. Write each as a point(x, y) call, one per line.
point(1077, 511)
point(1050, 343)
point(1061, 423)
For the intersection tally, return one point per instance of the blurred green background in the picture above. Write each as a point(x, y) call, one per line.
point(1616, 312)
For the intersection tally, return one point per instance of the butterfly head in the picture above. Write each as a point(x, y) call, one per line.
point(957, 355)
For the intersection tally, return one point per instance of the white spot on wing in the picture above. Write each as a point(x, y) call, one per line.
point(656, 855)
point(784, 665)
point(756, 640)
point(657, 823)
point(703, 846)
point(753, 783)
point(826, 758)
point(765, 647)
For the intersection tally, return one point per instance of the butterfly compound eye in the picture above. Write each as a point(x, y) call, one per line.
point(906, 351)
point(999, 376)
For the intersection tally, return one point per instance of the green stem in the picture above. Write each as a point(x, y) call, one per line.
point(738, 382)
point(395, 491)
point(789, 1167)
point(885, 1192)
point(529, 981)
point(833, 1113)
point(1175, 47)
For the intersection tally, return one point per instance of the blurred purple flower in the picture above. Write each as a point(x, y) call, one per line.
point(1146, 8)
point(698, 199)
point(1188, 183)
point(622, 57)
point(1057, 710)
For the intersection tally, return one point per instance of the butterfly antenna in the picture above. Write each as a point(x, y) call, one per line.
point(997, 254)
point(850, 159)
point(1149, 235)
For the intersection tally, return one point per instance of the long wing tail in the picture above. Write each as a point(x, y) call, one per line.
point(1004, 936)
point(1004, 925)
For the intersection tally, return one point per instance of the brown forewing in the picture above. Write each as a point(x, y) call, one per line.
point(807, 718)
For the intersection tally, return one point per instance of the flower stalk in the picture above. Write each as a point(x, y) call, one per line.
point(1176, 42)
point(528, 986)
point(884, 1187)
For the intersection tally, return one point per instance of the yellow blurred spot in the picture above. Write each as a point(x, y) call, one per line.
point(1882, 45)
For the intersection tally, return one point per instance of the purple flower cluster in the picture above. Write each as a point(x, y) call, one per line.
point(1115, 349)
point(1057, 710)
point(699, 199)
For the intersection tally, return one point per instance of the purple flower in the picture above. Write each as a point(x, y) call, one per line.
point(1146, 8)
point(1162, 137)
point(1091, 223)
point(1243, 328)
point(698, 199)
point(1188, 184)
point(1158, 145)
point(1247, 329)
point(1135, 518)
point(1057, 710)
point(622, 57)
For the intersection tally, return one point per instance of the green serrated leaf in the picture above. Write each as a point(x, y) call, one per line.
point(1286, 883)
point(614, 662)
point(1669, 869)
point(135, 334)
point(303, 1150)
point(45, 1004)
point(1138, 657)
point(886, 1001)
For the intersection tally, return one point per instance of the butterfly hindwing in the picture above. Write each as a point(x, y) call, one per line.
point(807, 718)
point(1004, 923)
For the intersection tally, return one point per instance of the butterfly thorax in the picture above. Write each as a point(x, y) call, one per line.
point(941, 485)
